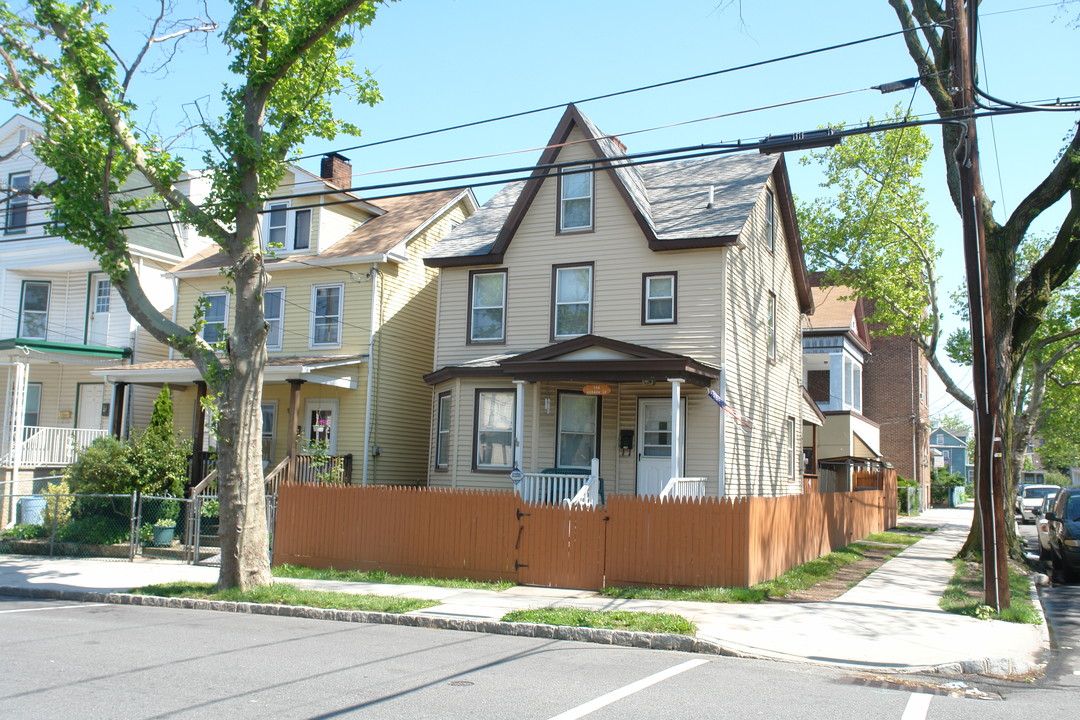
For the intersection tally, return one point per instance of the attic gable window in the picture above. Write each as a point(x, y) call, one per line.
point(576, 199)
point(286, 229)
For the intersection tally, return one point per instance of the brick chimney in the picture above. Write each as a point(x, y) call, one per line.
point(337, 170)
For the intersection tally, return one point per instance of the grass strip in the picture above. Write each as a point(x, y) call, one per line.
point(894, 538)
point(381, 576)
point(285, 594)
point(606, 619)
point(964, 595)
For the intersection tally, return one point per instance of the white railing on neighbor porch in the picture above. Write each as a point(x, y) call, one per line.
point(574, 489)
point(684, 488)
point(53, 445)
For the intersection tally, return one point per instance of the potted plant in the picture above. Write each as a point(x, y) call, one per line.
point(164, 528)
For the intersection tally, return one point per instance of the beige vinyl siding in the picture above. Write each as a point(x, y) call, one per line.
point(404, 348)
point(765, 393)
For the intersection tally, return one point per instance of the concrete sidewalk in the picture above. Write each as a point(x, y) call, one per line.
point(890, 621)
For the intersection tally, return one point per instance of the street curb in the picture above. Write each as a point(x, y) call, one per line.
point(992, 667)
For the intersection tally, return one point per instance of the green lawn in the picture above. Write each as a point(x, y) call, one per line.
point(285, 594)
point(964, 595)
point(606, 619)
point(380, 576)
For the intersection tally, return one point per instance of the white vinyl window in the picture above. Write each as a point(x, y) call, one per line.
point(494, 423)
point(659, 300)
point(572, 301)
point(216, 317)
point(274, 313)
point(577, 432)
point(32, 410)
point(770, 220)
point(285, 229)
point(772, 326)
point(326, 302)
point(792, 450)
point(487, 314)
point(269, 419)
point(442, 442)
point(34, 310)
point(576, 199)
point(102, 293)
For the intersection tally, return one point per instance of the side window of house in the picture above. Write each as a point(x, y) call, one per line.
point(772, 326)
point(493, 425)
point(32, 411)
point(658, 298)
point(269, 419)
point(287, 229)
point(326, 308)
point(216, 317)
point(274, 312)
point(576, 198)
point(856, 383)
point(770, 220)
point(34, 310)
point(571, 300)
point(792, 450)
point(442, 442)
point(487, 306)
point(15, 219)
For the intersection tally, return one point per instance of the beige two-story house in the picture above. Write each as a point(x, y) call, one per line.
point(645, 315)
point(350, 308)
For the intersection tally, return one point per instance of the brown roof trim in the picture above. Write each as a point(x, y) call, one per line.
point(692, 243)
point(583, 341)
point(450, 372)
point(794, 238)
point(464, 260)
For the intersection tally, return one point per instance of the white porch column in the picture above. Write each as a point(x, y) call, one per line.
point(18, 415)
point(519, 422)
point(676, 426)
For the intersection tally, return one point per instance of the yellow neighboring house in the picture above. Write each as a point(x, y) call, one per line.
point(351, 312)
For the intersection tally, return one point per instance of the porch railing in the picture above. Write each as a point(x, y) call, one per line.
point(684, 487)
point(335, 469)
point(42, 446)
point(551, 487)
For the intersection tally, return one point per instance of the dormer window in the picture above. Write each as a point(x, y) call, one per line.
point(286, 229)
point(576, 199)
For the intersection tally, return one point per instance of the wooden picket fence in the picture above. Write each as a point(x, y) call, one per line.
point(487, 535)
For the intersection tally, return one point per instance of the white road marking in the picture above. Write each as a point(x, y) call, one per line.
point(54, 607)
point(615, 695)
point(917, 707)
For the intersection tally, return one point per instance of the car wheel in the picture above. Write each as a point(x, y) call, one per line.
point(1044, 554)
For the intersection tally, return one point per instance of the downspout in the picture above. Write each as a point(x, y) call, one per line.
point(519, 422)
point(369, 400)
point(721, 470)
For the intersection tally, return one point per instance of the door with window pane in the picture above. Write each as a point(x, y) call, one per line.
point(655, 439)
point(100, 310)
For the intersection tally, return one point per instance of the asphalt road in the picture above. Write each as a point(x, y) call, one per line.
point(68, 660)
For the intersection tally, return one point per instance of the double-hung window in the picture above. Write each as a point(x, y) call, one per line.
point(576, 199)
point(578, 425)
point(285, 229)
point(274, 313)
point(215, 317)
point(442, 440)
point(487, 306)
point(269, 419)
point(772, 326)
point(32, 409)
point(34, 310)
point(326, 307)
point(658, 298)
point(770, 220)
point(792, 468)
point(571, 300)
point(494, 429)
point(18, 204)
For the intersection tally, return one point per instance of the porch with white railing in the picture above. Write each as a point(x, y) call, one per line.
point(683, 487)
point(50, 446)
point(576, 490)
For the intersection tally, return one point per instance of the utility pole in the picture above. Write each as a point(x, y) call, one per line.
point(985, 362)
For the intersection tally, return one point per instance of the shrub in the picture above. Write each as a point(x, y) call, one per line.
point(101, 467)
point(58, 502)
point(25, 531)
point(98, 530)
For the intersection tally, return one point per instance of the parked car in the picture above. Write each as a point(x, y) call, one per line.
point(1032, 497)
point(1063, 530)
point(1042, 526)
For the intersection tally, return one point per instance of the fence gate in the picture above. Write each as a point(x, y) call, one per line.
point(560, 547)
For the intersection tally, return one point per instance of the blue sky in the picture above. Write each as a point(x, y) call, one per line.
point(444, 62)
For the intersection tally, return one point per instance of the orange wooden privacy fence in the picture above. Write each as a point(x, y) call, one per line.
point(629, 541)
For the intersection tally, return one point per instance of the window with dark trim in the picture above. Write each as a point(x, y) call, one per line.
point(576, 198)
point(274, 314)
point(578, 431)
point(792, 451)
point(442, 439)
point(326, 311)
point(34, 310)
point(285, 229)
point(18, 206)
point(32, 409)
point(487, 306)
point(770, 220)
point(772, 326)
point(658, 298)
point(216, 316)
point(493, 430)
point(571, 300)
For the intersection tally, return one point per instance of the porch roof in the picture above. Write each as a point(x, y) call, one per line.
point(321, 369)
point(98, 353)
point(588, 358)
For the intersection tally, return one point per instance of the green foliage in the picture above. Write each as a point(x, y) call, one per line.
point(964, 595)
point(607, 619)
point(95, 530)
point(58, 502)
point(284, 594)
point(1053, 478)
point(383, 577)
point(25, 531)
point(101, 467)
point(322, 462)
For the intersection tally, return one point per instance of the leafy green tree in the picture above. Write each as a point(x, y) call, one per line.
point(287, 61)
point(159, 458)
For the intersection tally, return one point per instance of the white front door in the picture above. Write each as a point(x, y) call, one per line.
point(93, 410)
point(100, 310)
point(320, 422)
point(654, 444)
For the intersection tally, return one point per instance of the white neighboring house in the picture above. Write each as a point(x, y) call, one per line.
point(60, 317)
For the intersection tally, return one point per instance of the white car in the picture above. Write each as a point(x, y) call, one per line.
point(1042, 526)
point(1032, 497)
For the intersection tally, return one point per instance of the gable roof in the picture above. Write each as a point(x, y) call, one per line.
point(400, 218)
point(668, 200)
point(836, 309)
point(958, 441)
